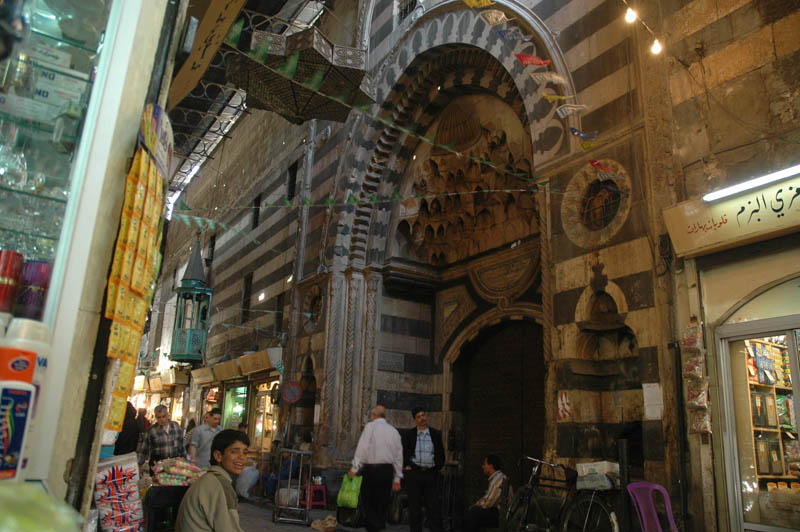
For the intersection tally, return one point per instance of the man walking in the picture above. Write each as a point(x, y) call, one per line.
point(484, 513)
point(423, 457)
point(202, 436)
point(379, 459)
point(163, 440)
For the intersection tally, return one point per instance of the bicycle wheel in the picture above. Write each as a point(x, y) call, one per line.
point(587, 513)
point(517, 510)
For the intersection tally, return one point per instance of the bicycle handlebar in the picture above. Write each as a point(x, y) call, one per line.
point(541, 462)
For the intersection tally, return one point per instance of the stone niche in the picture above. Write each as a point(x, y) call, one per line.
point(461, 206)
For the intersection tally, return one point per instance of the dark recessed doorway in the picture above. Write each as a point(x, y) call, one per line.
point(498, 383)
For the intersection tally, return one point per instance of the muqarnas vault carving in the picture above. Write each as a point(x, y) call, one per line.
point(468, 207)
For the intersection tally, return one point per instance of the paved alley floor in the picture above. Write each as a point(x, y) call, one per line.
point(258, 518)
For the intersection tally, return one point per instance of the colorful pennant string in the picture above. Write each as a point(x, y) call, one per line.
point(552, 98)
point(548, 77)
point(587, 145)
point(597, 164)
point(590, 135)
point(493, 17)
point(570, 108)
point(513, 34)
point(530, 59)
point(289, 68)
point(478, 4)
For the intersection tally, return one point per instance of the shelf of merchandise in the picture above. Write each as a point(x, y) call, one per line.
point(771, 433)
point(44, 91)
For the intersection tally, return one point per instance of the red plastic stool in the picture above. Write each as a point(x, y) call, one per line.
point(309, 492)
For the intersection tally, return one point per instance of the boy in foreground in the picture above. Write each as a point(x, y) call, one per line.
point(211, 504)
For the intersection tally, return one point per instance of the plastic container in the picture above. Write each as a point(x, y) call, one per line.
point(597, 468)
point(16, 411)
point(29, 338)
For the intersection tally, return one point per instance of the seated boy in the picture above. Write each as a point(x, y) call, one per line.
point(210, 504)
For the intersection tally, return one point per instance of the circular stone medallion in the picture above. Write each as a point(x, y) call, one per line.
point(596, 204)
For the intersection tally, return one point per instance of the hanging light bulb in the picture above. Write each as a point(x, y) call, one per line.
point(656, 48)
point(630, 16)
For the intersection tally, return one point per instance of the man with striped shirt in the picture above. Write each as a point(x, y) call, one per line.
point(484, 512)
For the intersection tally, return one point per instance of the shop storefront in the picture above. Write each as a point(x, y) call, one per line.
point(204, 393)
point(747, 298)
point(234, 409)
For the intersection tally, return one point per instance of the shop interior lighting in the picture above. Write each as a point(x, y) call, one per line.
point(753, 183)
point(630, 16)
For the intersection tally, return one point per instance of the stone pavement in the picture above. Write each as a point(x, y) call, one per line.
point(257, 517)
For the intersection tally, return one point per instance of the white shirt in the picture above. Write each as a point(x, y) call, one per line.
point(202, 437)
point(379, 444)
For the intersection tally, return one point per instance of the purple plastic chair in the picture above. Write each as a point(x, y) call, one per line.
point(642, 495)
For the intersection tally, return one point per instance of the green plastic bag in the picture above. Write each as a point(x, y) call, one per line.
point(348, 493)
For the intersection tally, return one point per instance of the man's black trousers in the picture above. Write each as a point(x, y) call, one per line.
point(376, 494)
point(422, 487)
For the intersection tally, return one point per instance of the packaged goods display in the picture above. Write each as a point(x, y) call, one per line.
point(775, 445)
point(175, 472)
point(697, 396)
point(44, 92)
point(116, 494)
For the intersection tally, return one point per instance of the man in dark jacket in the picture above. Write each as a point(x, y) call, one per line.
point(423, 457)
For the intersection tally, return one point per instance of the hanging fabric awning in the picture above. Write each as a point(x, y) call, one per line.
point(302, 77)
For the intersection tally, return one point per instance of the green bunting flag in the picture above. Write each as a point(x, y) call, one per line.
point(235, 33)
point(260, 52)
point(315, 82)
point(289, 68)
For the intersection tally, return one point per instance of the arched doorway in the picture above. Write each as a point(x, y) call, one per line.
point(498, 383)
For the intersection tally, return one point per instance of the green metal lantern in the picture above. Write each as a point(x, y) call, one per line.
point(191, 316)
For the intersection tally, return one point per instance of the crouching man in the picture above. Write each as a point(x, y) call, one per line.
point(210, 504)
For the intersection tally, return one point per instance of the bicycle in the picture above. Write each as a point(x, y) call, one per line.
point(573, 511)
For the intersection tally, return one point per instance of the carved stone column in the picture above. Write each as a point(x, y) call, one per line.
point(334, 347)
point(351, 358)
point(372, 323)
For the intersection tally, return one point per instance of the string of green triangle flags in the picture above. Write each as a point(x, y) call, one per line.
point(288, 70)
point(373, 199)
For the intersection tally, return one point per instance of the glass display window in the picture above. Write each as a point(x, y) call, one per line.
point(759, 382)
point(234, 409)
point(45, 85)
point(265, 423)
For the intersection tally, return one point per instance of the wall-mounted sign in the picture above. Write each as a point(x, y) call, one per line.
point(291, 392)
point(202, 375)
point(697, 227)
point(214, 26)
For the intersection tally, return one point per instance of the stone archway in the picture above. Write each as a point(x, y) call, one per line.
point(498, 399)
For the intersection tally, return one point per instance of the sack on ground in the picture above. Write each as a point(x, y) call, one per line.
point(348, 493)
point(246, 480)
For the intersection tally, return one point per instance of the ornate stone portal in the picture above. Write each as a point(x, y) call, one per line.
point(463, 206)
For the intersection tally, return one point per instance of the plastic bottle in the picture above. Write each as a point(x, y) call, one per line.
point(29, 340)
point(16, 410)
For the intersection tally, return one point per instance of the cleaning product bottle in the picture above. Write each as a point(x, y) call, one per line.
point(16, 410)
point(24, 352)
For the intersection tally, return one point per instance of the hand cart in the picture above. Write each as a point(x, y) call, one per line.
point(290, 505)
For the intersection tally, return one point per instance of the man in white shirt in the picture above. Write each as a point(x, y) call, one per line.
point(379, 459)
point(484, 512)
point(202, 436)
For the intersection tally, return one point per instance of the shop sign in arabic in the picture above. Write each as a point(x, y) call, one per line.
point(697, 227)
point(213, 28)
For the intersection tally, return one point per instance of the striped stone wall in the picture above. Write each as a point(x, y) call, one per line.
point(734, 87)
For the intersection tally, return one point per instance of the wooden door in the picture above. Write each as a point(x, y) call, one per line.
point(505, 375)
